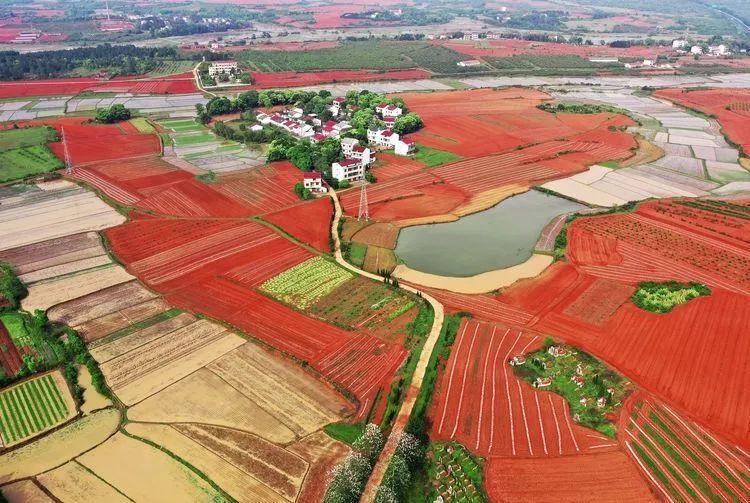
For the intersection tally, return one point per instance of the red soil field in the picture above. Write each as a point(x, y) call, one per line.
point(483, 405)
point(154, 185)
point(652, 247)
point(590, 478)
point(88, 142)
point(391, 166)
point(10, 359)
point(715, 102)
point(171, 84)
point(296, 79)
point(310, 223)
point(482, 122)
point(264, 190)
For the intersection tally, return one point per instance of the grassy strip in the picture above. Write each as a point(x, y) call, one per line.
point(41, 401)
point(417, 331)
point(344, 432)
point(432, 157)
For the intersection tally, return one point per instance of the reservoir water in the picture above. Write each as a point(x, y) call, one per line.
point(499, 237)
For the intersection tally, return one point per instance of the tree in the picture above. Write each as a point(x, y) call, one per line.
point(300, 156)
point(219, 106)
point(115, 113)
point(247, 100)
point(408, 123)
point(362, 118)
point(302, 192)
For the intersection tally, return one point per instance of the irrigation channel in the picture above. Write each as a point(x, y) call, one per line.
point(416, 383)
point(500, 237)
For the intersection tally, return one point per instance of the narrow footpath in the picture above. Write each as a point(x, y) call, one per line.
point(416, 383)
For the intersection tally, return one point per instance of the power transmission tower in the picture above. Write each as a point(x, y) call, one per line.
point(364, 212)
point(66, 152)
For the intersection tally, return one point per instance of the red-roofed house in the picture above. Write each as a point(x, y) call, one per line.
point(313, 181)
point(388, 110)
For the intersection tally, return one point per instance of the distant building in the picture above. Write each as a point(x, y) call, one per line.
point(577, 380)
point(604, 60)
point(601, 402)
point(719, 50)
point(696, 49)
point(348, 169)
point(679, 44)
point(313, 181)
point(518, 360)
point(362, 154)
point(542, 382)
point(557, 351)
point(469, 62)
point(219, 67)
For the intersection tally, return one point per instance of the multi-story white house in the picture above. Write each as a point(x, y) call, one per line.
point(404, 147)
point(225, 66)
point(362, 154)
point(348, 169)
point(382, 137)
point(386, 110)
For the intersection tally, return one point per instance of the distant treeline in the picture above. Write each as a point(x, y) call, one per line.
point(118, 59)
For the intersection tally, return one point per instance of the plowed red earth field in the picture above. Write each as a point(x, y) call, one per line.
point(89, 142)
point(731, 108)
point(10, 359)
point(308, 222)
point(154, 185)
point(213, 266)
point(481, 122)
point(482, 404)
point(267, 189)
point(182, 83)
point(590, 478)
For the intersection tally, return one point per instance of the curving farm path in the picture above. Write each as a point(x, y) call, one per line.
point(416, 383)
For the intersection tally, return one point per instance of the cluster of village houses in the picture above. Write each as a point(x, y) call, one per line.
point(577, 379)
point(357, 158)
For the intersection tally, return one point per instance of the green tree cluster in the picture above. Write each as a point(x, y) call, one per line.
point(302, 192)
point(115, 113)
point(408, 123)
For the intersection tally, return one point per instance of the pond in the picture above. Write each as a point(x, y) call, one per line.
point(500, 237)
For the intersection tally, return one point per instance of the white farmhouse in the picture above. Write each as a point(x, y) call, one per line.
point(313, 181)
point(336, 106)
point(362, 154)
point(469, 63)
point(389, 110)
point(348, 169)
point(696, 49)
point(219, 67)
point(404, 147)
point(719, 50)
point(382, 137)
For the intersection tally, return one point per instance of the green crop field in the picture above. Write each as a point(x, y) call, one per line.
point(193, 139)
point(307, 282)
point(431, 157)
point(371, 55)
point(31, 407)
point(21, 162)
point(26, 137)
point(550, 65)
